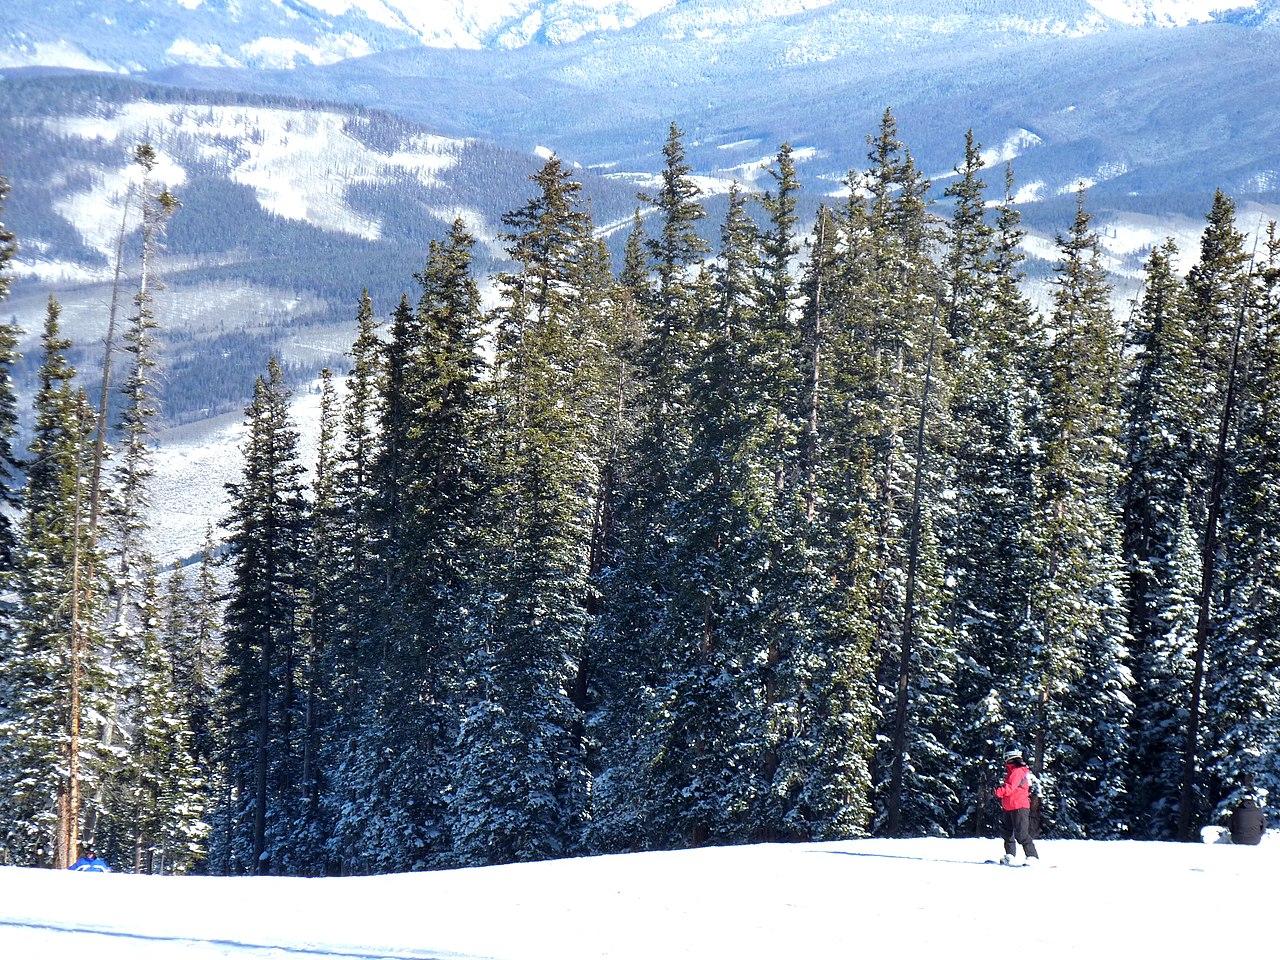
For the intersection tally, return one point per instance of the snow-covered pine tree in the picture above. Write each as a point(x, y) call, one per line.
point(1219, 309)
point(132, 727)
point(521, 784)
point(262, 643)
point(322, 615)
point(639, 576)
point(52, 673)
point(894, 296)
point(1244, 683)
point(823, 780)
point(708, 734)
point(353, 759)
point(779, 363)
point(1159, 541)
point(601, 687)
point(153, 821)
point(1079, 673)
point(991, 542)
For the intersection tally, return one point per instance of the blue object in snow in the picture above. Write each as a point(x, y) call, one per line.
point(91, 864)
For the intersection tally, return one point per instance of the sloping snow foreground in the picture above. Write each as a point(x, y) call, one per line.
point(808, 901)
point(874, 898)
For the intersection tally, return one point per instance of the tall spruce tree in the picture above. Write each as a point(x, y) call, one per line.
point(1159, 540)
point(639, 576)
point(991, 561)
point(53, 674)
point(1244, 686)
point(266, 546)
point(1080, 672)
point(522, 784)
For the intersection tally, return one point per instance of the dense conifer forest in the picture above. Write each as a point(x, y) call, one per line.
point(786, 536)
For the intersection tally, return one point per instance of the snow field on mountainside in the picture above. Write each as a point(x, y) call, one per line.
point(873, 898)
point(299, 164)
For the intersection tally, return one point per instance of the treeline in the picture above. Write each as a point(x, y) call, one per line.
point(105, 670)
point(787, 539)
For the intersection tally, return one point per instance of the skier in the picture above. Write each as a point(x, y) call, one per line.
point(1015, 798)
point(89, 862)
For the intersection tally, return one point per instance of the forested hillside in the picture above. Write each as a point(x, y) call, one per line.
point(283, 199)
point(787, 536)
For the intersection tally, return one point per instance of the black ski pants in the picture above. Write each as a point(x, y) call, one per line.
point(1017, 829)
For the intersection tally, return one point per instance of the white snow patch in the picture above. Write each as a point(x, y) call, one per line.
point(284, 53)
point(545, 153)
point(57, 271)
point(299, 163)
point(1029, 192)
point(739, 144)
point(57, 53)
point(1168, 13)
point(183, 50)
point(866, 898)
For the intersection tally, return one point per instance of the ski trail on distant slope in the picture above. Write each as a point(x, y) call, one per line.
point(270, 949)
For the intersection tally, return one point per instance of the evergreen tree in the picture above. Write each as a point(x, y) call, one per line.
point(1080, 676)
point(522, 784)
point(1159, 540)
point(52, 673)
point(355, 647)
point(824, 781)
point(154, 822)
point(991, 552)
point(639, 576)
point(706, 737)
point(1244, 689)
point(262, 639)
point(323, 616)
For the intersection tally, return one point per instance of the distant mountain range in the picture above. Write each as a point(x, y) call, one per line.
point(140, 35)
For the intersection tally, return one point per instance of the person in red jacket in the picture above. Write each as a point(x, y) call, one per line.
point(1015, 798)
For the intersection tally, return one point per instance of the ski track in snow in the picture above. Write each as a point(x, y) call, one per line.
point(869, 898)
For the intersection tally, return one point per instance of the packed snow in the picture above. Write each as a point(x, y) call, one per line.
point(872, 898)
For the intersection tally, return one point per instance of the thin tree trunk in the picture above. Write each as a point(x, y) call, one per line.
point(100, 447)
point(69, 805)
point(894, 814)
point(815, 374)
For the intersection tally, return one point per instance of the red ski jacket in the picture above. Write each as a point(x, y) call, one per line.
point(1016, 792)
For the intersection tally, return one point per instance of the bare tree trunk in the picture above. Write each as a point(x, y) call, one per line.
point(107, 734)
point(100, 436)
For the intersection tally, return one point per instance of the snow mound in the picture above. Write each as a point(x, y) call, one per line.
point(873, 898)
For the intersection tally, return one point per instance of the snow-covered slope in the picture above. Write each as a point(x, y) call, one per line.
point(290, 208)
point(132, 35)
point(875, 899)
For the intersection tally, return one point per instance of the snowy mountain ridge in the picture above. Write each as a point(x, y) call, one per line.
point(138, 35)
